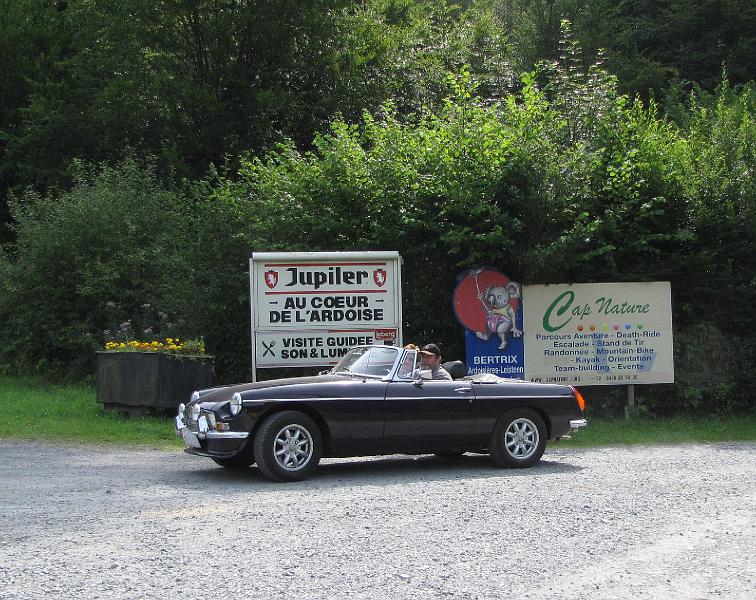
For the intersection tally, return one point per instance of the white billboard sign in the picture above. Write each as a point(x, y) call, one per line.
point(311, 298)
point(598, 333)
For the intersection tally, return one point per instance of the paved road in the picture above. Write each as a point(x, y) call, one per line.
point(654, 522)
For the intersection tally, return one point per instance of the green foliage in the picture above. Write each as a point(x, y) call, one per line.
point(647, 44)
point(569, 186)
point(719, 162)
point(191, 83)
point(36, 410)
point(674, 430)
point(564, 180)
point(84, 261)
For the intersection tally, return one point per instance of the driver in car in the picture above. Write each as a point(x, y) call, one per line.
point(430, 359)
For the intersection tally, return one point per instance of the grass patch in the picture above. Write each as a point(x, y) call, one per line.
point(677, 430)
point(34, 410)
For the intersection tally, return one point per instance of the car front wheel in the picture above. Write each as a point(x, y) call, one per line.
point(288, 446)
point(518, 439)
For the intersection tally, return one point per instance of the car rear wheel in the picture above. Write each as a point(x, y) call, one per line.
point(518, 439)
point(288, 446)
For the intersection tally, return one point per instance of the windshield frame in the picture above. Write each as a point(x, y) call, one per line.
point(414, 374)
point(340, 371)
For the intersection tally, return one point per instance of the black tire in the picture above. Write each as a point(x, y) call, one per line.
point(450, 455)
point(519, 439)
point(304, 445)
point(242, 460)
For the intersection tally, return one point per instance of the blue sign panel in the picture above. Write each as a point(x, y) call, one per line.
point(489, 306)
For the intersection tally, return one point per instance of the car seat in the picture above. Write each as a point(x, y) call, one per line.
point(456, 368)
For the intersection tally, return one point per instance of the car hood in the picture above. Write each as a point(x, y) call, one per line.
point(247, 390)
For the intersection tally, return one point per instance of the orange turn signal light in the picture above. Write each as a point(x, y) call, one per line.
point(579, 398)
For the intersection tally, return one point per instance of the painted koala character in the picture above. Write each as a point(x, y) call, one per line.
point(500, 314)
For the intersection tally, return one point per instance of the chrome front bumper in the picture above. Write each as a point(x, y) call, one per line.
point(577, 424)
point(192, 438)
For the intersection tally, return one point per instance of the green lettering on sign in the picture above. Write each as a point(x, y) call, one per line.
point(560, 310)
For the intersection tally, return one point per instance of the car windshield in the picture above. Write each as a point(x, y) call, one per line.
point(367, 360)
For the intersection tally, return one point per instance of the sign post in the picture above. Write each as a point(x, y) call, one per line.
point(630, 401)
point(309, 308)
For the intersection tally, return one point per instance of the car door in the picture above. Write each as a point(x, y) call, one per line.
point(354, 409)
point(429, 415)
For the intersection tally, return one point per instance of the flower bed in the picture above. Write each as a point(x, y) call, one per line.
point(195, 347)
point(138, 378)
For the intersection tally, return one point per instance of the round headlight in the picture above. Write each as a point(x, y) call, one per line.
point(181, 410)
point(194, 411)
point(235, 405)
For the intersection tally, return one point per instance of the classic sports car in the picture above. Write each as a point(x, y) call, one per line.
point(375, 401)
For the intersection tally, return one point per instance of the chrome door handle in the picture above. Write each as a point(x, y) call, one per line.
point(462, 390)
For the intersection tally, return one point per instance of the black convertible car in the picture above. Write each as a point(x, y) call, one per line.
point(376, 400)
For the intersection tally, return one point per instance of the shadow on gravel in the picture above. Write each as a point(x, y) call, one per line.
point(389, 470)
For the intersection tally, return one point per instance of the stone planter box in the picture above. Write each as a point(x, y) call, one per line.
point(141, 383)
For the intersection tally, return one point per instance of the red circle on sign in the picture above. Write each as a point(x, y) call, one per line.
point(467, 306)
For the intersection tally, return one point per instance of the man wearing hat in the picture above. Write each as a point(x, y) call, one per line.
point(430, 358)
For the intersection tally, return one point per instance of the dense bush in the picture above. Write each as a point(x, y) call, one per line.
point(86, 262)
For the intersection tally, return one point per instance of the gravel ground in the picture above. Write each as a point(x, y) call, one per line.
point(648, 522)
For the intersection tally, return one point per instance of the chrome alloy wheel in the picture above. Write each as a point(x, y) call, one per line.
point(292, 447)
point(521, 439)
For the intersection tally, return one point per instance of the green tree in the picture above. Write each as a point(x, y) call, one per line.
point(192, 82)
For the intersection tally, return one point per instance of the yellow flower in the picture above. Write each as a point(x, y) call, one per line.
point(169, 340)
point(154, 344)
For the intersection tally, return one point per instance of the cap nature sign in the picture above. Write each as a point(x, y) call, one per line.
point(599, 333)
point(308, 308)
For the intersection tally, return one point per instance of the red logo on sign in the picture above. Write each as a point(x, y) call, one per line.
point(271, 279)
point(385, 334)
point(379, 276)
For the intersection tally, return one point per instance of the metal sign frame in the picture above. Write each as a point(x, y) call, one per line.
point(347, 286)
